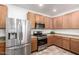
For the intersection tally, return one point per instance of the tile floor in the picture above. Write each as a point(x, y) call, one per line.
point(53, 50)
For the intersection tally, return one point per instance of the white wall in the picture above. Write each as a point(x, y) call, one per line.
point(2, 32)
point(16, 12)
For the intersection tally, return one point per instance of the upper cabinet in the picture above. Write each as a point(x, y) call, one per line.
point(35, 18)
point(47, 23)
point(67, 21)
point(51, 23)
point(75, 19)
point(39, 18)
point(31, 17)
point(58, 22)
point(3, 16)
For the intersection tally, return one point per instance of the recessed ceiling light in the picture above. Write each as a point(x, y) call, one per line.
point(54, 10)
point(40, 5)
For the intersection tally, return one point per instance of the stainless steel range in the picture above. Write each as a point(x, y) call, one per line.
point(41, 40)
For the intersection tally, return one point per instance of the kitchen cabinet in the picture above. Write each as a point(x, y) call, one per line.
point(41, 19)
point(67, 21)
point(75, 19)
point(31, 18)
point(50, 40)
point(74, 45)
point(55, 22)
point(58, 41)
point(34, 44)
point(2, 48)
point(58, 22)
point(66, 43)
point(51, 23)
point(52, 26)
point(47, 23)
point(3, 16)
point(37, 18)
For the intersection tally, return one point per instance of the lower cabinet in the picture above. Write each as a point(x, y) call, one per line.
point(2, 48)
point(74, 45)
point(34, 44)
point(58, 41)
point(50, 40)
point(71, 44)
point(66, 43)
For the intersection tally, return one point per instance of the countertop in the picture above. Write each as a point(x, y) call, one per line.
point(65, 35)
point(61, 34)
point(33, 36)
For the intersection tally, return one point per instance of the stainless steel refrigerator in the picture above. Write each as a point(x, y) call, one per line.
point(18, 37)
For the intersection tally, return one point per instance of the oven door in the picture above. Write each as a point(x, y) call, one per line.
point(42, 41)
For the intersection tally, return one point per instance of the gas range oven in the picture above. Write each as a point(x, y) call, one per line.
point(41, 40)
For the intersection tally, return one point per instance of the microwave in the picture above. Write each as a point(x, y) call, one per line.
point(39, 26)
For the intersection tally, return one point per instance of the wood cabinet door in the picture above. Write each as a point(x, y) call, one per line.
point(2, 22)
point(3, 10)
point(47, 23)
point(41, 19)
point(50, 40)
point(51, 23)
point(55, 22)
point(67, 21)
point(75, 19)
point(2, 48)
point(3, 16)
point(37, 18)
point(31, 17)
point(58, 41)
point(34, 44)
point(58, 22)
point(66, 43)
point(75, 45)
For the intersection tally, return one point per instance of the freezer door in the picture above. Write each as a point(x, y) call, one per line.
point(26, 29)
point(19, 50)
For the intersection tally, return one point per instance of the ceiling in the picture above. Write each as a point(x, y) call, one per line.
point(47, 8)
